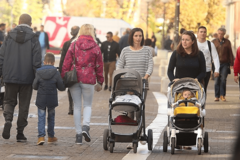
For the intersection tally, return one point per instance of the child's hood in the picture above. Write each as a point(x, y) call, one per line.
point(46, 72)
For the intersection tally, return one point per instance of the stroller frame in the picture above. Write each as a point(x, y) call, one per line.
point(170, 136)
point(109, 136)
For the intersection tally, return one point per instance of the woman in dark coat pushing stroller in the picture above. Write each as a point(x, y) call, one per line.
point(187, 59)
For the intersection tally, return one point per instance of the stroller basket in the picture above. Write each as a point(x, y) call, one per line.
point(124, 106)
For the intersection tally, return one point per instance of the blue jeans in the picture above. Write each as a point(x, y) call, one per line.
point(42, 122)
point(221, 81)
point(79, 92)
point(43, 54)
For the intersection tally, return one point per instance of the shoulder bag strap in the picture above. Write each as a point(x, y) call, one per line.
point(210, 49)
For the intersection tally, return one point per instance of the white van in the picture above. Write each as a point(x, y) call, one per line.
point(59, 28)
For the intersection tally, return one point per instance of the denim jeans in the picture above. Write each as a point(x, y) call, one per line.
point(43, 54)
point(42, 122)
point(82, 92)
point(220, 82)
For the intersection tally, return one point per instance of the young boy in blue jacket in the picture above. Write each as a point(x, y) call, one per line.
point(47, 81)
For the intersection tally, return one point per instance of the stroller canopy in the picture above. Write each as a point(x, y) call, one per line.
point(127, 79)
point(186, 83)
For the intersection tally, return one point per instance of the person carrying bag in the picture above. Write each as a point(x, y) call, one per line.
point(88, 64)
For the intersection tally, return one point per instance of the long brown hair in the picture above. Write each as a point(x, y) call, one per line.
point(195, 50)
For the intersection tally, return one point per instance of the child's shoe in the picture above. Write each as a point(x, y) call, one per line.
point(85, 133)
point(52, 139)
point(78, 139)
point(41, 141)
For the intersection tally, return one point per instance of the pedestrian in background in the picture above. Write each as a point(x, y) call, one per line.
point(210, 54)
point(46, 82)
point(123, 42)
point(148, 42)
point(2, 34)
point(236, 66)
point(98, 41)
point(44, 41)
point(115, 37)
point(177, 41)
point(35, 29)
point(110, 51)
point(89, 67)
point(154, 40)
point(224, 49)
point(66, 45)
point(20, 56)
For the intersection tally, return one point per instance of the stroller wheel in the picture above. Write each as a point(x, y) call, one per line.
point(150, 140)
point(165, 141)
point(105, 139)
point(199, 146)
point(111, 147)
point(172, 145)
point(134, 147)
point(205, 142)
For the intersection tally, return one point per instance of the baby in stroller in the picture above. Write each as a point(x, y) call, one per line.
point(186, 95)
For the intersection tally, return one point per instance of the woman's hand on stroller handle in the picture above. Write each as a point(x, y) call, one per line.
point(176, 79)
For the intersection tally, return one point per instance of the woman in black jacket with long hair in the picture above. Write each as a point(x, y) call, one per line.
point(187, 59)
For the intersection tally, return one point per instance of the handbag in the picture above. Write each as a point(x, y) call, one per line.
point(70, 77)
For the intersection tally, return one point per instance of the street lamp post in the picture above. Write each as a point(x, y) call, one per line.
point(177, 12)
point(163, 30)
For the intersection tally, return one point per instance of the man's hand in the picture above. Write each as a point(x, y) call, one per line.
point(236, 79)
point(216, 74)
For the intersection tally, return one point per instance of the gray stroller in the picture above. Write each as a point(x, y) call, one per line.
point(127, 81)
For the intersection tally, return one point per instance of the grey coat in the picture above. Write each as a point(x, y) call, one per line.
point(20, 56)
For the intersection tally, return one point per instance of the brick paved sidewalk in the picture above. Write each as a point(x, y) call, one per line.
point(220, 122)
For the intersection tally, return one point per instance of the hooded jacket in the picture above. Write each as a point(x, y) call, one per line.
point(47, 81)
point(20, 56)
point(88, 61)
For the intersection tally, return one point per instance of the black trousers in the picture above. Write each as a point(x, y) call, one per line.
point(12, 91)
point(70, 101)
point(206, 81)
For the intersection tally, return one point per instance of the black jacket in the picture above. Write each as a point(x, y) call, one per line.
point(109, 51)
point(193, 67)
point(46, 39)
point(66, 45)
point(123, 42)
point(20, 56)
point(47, 81)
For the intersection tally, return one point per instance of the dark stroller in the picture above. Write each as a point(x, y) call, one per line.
point(125, 81)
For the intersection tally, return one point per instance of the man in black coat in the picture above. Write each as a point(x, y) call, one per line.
point(66, 45)
point(123, 42)
point(20, 56)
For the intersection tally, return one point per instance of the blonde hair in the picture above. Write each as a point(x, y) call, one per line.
point(88, 30)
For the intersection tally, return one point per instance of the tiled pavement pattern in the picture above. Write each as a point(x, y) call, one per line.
point(218, 122)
